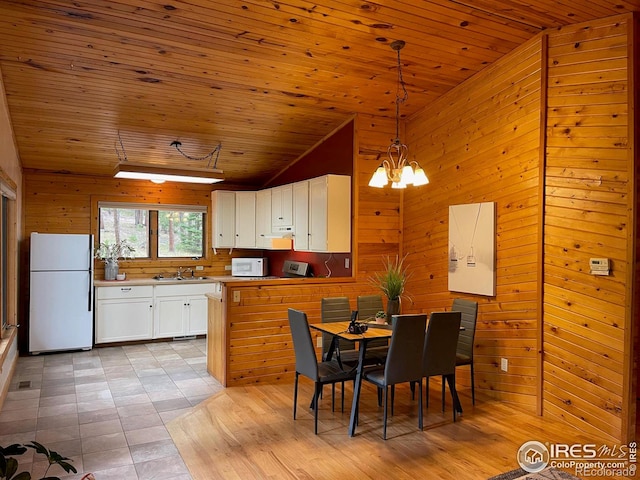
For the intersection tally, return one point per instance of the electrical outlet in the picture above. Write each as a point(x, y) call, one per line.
point(227, 267)
point(346, 263)
point(236, 296)
point(504, 365)
point(199, 267)
point(319, 342)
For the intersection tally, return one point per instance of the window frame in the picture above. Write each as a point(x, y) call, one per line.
point(153, 208)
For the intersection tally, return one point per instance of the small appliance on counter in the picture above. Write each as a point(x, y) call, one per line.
point(294, 269)
point(249, 267)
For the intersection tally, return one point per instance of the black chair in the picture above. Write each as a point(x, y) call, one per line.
point(464, 351)
point(403, 361)
point(322, 373)
point(368, 306)
point(439, 354)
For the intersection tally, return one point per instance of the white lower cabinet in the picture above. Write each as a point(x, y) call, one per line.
point(128, 313)
point(181, 310)
point(124, 314)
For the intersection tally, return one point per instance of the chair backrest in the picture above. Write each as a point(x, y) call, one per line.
point(405, 349)
point(335, 309)
point(306, 361)
point(368, 306)
point(469, 311)
point(439, 354)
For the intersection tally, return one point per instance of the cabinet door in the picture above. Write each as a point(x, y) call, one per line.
point(170, 318)
point(263, 218)
point(224, 218)
point(301, 215)
point(197, 308)
point(282, 206)
point(245, 220)
point(330, 214)
point(124, 320)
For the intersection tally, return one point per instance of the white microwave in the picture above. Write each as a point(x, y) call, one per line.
point(249, 267)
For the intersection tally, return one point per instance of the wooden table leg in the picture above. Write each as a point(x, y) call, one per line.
point(356, 389)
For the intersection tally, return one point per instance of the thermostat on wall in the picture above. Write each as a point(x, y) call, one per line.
point(599, 266)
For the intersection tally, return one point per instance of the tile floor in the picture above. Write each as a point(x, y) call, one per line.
point(106, 408)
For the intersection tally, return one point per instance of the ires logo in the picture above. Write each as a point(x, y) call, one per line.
point(577, 450)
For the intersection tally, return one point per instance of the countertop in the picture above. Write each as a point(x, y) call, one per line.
point(221, 279)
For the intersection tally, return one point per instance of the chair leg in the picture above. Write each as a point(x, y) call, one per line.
point(393, 397)
point(451, 380)
point(384, 415)
point(420, 422)
point(473, 386)
point(318, 391)
point(295, 395)
point(426, 392)
point(333, 396)
point(412, 386)
point(342, 397)
point(443, 382)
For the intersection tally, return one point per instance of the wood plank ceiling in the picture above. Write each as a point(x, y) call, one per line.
point(265, 78)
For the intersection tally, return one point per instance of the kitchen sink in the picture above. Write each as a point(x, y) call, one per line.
point(178, 279)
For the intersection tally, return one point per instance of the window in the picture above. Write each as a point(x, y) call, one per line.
point(180, 234)
point(158, 232)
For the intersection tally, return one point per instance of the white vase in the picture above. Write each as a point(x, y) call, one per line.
point(110, 270)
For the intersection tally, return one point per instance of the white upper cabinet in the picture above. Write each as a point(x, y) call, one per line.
point(224, 218)
point(263, 218)
point(301, 215)
point(281, 207)
point(330, 214)
point(245, 220)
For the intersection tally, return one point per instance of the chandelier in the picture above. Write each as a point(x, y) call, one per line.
point(397, 168)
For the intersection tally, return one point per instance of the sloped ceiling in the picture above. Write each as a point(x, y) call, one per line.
point(265, 79)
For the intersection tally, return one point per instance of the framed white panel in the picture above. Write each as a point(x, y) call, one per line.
point(471, 254)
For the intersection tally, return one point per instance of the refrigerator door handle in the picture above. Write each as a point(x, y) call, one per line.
point(90, 296)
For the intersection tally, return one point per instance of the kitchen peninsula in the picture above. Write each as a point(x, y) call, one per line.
point(248, 331)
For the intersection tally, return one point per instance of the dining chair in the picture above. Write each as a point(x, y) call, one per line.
point(439, 353)
point(403, 363)
point(368, 306)
point(321, 373)
point(464, 350)
point(337, 309)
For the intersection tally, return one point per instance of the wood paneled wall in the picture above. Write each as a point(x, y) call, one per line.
point(589, 192)
point(563, 180)
point(482, 144)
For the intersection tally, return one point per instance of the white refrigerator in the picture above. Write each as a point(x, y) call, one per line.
point(61, 292)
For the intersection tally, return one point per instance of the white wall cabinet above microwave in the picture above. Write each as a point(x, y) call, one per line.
point(245, 220)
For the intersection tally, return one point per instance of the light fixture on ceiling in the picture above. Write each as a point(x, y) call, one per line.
point(162, 173)
point(397, 168)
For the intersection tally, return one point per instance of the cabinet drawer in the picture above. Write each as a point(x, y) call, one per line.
point(184, 290)
point(124, 291)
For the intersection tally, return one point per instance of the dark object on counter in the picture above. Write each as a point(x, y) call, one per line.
point(294, 269)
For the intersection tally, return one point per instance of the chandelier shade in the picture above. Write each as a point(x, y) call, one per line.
point(397, 169)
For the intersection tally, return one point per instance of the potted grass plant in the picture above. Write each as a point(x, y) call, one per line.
point(391, 281)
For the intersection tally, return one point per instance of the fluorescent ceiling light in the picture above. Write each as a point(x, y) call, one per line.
point(155, 173)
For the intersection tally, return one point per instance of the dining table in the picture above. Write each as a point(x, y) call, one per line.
point(340, 330)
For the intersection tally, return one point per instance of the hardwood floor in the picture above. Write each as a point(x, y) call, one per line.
point(249, 433)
